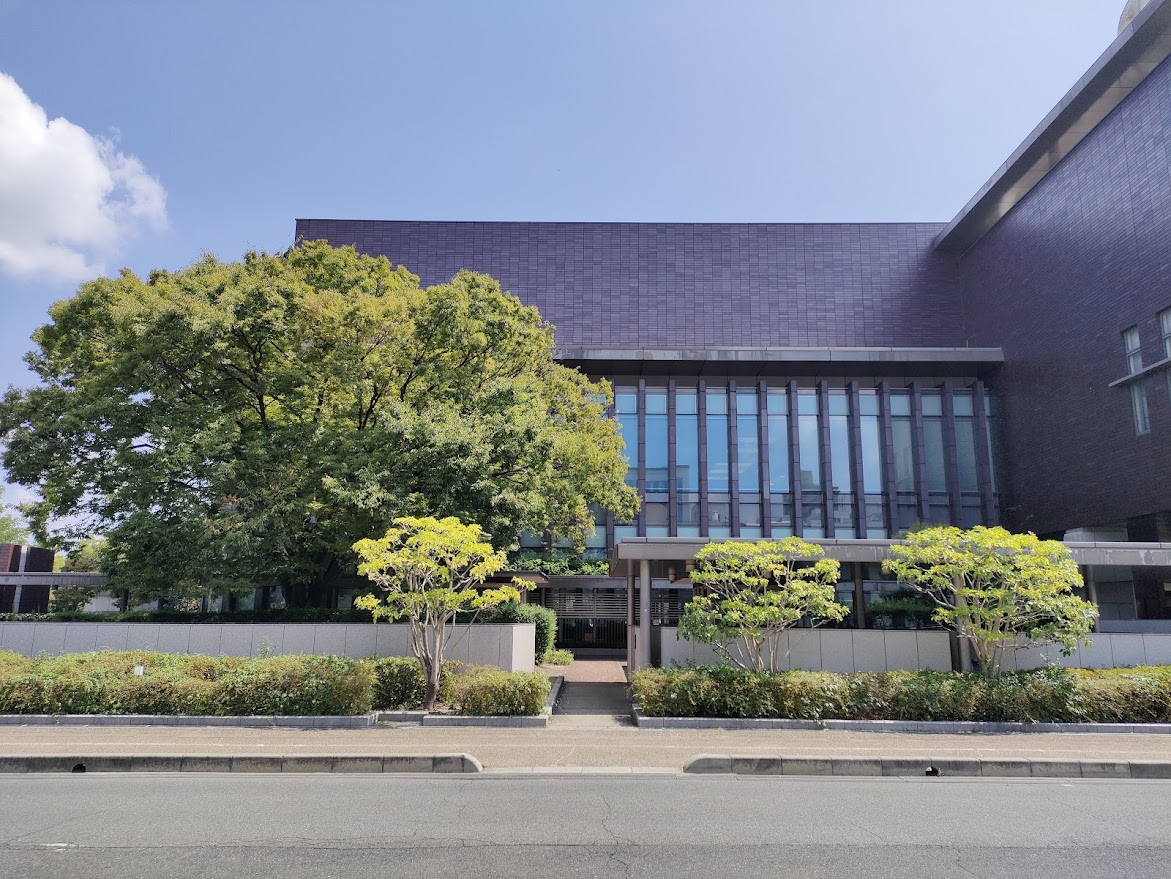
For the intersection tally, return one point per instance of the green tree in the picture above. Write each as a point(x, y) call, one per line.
point(12, 527)
point(430, 569)
point(235, 423)
point(755, 592)
point(1000, 591)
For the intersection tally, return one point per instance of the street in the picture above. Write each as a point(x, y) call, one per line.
point(152, 825)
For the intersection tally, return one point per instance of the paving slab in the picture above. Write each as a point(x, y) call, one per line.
point(559, 747)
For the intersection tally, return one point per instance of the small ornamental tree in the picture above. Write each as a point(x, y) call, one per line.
point(754, 592)
point(1000, 591)
point(430, 569)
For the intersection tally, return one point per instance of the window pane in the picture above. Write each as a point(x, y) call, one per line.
point(656, 451)
point(903, 454)
point(932, 404)
point(778, 453)
point(628, 425)
point(687, 452)
point(900, 403)
point(717, 403)
point(685, 402)
point(748, 453)
point(656, 402)
point(871, 456)
point(717, 452)
point(810, 451)
point(962, 403)
point(933, 449)
point(1142, 418)
point(966, 454)
point(867, 403)
point(839, 452)
point(778, 402)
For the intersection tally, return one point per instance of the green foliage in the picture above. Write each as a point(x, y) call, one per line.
point(69, 599)
point(12, 527)
point(1049, 695)
point(558, 563)
point(236, 423)
point(429, 569)
point(558, 657)
point(105, 683)
point(1001, 591)
point(398, 683)
point(756, 591)
point(85, 558)
point(544, 619)
point(488, 691)
point(903, 608)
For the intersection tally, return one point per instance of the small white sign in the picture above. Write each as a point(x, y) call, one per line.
point(138, 670)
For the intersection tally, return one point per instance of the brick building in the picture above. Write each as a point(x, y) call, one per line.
point(843, 381)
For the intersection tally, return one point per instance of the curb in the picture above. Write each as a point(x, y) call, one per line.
point(949, 727)
point(813, 765)
point(356, 721)
point(299, 763)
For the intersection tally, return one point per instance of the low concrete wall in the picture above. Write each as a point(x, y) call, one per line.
point(509, 647)
point(1108, 650)
point(838, 650)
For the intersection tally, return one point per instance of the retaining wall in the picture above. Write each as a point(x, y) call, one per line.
point(837, 650)
point(506, 646)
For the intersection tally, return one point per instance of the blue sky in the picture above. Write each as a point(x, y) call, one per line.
point(212, 126)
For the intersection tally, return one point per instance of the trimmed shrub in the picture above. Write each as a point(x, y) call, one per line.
point(484, 690)
point(105, 683)
point(399, 683)
point(1049, 695)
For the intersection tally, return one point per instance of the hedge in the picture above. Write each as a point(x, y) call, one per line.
point(1125, 695)
point(483, 690)
point(105, 683)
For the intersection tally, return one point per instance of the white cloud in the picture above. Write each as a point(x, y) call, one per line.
point(68, 199)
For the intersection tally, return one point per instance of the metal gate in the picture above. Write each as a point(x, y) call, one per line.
point(588, 616)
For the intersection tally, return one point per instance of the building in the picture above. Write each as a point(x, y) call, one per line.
point(844, 381)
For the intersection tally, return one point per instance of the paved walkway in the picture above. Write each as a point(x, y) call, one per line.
point(566, 747)
point(593, 696)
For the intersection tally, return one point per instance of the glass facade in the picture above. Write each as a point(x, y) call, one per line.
point(772, 458)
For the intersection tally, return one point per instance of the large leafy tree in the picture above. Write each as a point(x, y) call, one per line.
point(748, 594)
point(430, 569)
point(1000, 591)
point(236, 423)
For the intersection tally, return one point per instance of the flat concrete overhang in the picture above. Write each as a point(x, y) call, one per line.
point(789, 361)
point(95, 581)
point(668, 549)
point(1137, 51)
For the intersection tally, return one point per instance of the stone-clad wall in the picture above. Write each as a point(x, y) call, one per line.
point(1086, 255)
point(510, 647)
point(837, 650)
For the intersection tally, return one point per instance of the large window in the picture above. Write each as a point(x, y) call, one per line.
point(780, 501)
point(1138, 392)
point(1165, 325)
point(719, 509)
point(748, 461)
point(903, 441)
point(809, 448)
point(839, 464)
point(655, 504)
point(687, 463)
point(872, 464)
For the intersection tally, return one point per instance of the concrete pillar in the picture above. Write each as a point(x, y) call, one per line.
point(1091, 588)
point(631, 659)
point(644, 614)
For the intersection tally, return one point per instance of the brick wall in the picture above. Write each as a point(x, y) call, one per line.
point(1084, 256)
point(692, 285)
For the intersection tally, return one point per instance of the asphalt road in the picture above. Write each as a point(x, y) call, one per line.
point(172, 826)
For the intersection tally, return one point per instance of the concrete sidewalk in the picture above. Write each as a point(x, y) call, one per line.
point(590, 748)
